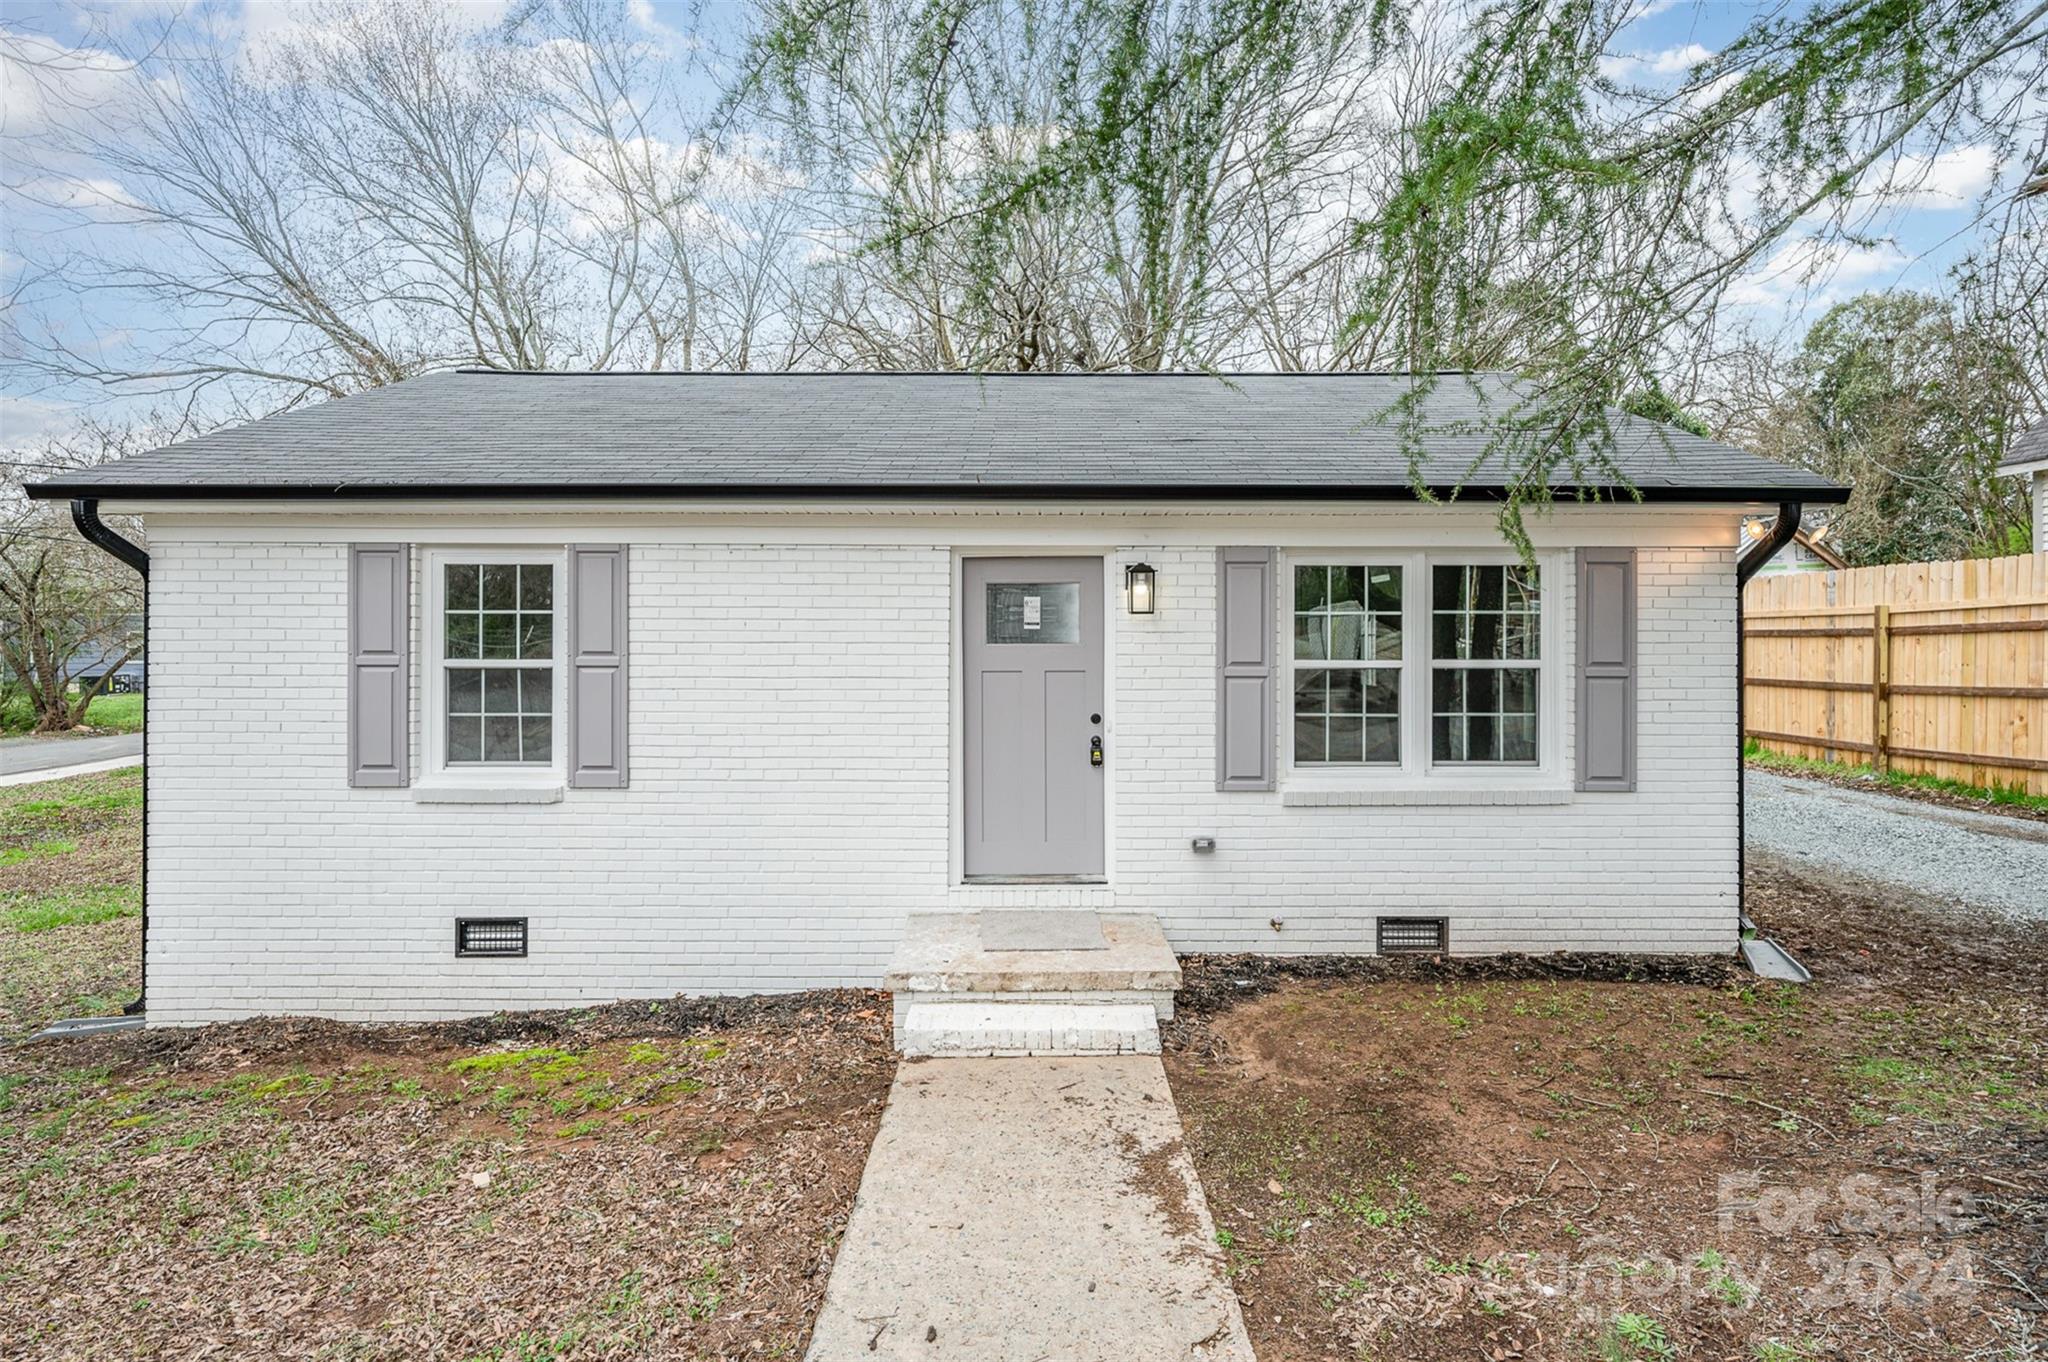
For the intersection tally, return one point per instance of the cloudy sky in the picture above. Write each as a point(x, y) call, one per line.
point(1922, 226)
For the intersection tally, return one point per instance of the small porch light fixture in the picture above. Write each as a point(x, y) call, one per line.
point(1139, 579)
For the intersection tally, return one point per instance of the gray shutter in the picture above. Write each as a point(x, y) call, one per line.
point(379, 680)
point(1607, 669)
point(597, 666)
point(1244, 669)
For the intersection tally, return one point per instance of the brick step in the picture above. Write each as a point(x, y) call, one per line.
point(932, 1028)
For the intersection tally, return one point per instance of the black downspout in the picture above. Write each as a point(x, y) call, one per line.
point(85, 514)
point(1746, 567)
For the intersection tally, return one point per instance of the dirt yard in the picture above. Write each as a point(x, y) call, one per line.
point(634, 1181)
point(1520, 1161)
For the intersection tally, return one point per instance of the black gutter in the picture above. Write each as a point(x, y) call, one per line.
point(85, 514)
point(1782, 530)
point(964, 491)
point(1747, 566)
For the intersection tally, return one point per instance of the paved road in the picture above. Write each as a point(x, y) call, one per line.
point(21, 755)
point(1982, 861)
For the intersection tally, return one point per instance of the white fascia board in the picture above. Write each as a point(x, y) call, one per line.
point(1020, 525)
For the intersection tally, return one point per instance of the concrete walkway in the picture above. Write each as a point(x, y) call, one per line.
point(1022, 1209)
point(60, 753)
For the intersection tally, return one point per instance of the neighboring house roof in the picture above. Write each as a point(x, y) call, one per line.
point(93, 661)
point(2029, 453)
point(492, 433)
point(1759, 528)
point(1812, 545)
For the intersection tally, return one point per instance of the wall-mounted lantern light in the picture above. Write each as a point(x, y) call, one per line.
point(1139, 579)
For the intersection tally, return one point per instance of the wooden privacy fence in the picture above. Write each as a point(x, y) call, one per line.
point(1939, 668)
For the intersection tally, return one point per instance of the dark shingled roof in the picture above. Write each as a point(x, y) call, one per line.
point(2031, 447)
point(486, 433)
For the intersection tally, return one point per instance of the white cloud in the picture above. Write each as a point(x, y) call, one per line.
point(641, 12)
point(1812, 270)
point(25, 420)
point(1659, 65)
point(1676, 61)
point(96, 196)
point(265, 23)
point(44, 84)
point(1949, 179)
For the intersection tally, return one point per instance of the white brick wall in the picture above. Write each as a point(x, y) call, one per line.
point(791, 788)
point(1649, 871)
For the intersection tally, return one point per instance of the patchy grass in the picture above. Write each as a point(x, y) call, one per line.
point(1561, 1168)
point(2006, 797)
point(35, 851)
point(70, 899)
point(554, 1186)
point(106, 714)
point(72, 908)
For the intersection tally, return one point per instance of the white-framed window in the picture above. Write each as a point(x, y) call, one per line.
point(495, 704)
point(1414, 665)
point(1486, 663)
point(1347, 663)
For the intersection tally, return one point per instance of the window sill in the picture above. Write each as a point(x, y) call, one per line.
point(1352, 796)
point(487, 794)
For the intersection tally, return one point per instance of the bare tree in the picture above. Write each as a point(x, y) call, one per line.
point(66, 608)
point(386, 189)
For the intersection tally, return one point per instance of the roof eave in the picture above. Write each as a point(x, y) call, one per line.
point(57, 490)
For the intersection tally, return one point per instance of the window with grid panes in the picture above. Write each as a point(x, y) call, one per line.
point(1485, 652)
point(1347, 664)
point(498, 658)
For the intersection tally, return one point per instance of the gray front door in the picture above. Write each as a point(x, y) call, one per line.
point(1034, 717)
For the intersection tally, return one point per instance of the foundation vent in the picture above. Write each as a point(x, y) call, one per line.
point(1399, 934)
point(499, 936)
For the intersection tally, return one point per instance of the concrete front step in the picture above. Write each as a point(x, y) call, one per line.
point(936, 1028)
point(1032, 984)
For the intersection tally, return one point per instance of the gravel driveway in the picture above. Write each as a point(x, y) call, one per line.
point(1971, 860)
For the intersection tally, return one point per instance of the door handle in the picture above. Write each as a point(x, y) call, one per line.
point(1095, 751)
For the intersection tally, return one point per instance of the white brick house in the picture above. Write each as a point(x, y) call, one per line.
point(709, 681)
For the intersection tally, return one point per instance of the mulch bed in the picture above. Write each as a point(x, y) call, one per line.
point(1562, 1159)
point(637, 1180)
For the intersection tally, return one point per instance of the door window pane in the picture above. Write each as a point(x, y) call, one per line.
point(1034, 612)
